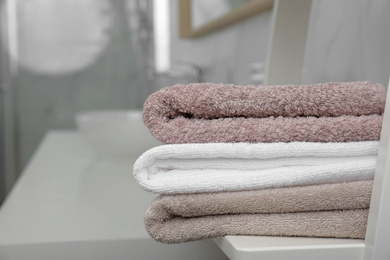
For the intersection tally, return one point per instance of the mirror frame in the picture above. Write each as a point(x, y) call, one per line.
point(237, 14)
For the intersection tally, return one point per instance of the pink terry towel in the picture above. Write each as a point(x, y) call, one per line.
point(337, 210)
point(206, 112)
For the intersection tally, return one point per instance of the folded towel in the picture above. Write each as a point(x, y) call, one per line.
point(328, 210)
point(205, 112)
point(194, 168)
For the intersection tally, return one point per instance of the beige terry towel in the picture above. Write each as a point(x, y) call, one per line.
point(329, 210)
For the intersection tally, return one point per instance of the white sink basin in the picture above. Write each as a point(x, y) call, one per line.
point(115, 134)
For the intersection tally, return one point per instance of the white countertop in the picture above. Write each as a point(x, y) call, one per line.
point(70, 200)
point(73, 195)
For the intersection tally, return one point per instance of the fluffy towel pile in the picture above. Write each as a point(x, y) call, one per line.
point(276, 160)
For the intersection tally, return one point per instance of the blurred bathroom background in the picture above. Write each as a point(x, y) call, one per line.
point(59, 58)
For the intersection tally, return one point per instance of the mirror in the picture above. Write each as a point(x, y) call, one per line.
point(200, 17)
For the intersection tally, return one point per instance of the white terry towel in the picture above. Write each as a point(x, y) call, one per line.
point(212, 167)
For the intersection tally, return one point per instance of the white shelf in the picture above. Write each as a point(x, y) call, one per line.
point(275, 248)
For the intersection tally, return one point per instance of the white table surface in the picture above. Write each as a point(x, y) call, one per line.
point(71, 204)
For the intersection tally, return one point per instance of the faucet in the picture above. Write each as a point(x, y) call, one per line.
point(186, 69)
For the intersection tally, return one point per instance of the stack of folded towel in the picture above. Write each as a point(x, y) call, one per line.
point(268, 160)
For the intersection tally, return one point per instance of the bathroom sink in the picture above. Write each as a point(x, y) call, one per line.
point(115, 134)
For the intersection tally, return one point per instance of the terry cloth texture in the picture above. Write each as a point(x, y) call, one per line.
point(206, 112)
point(329, 210)
point(213, 167)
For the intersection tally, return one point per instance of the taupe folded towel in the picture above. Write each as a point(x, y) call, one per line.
point(205, 112)
point(329, 210)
